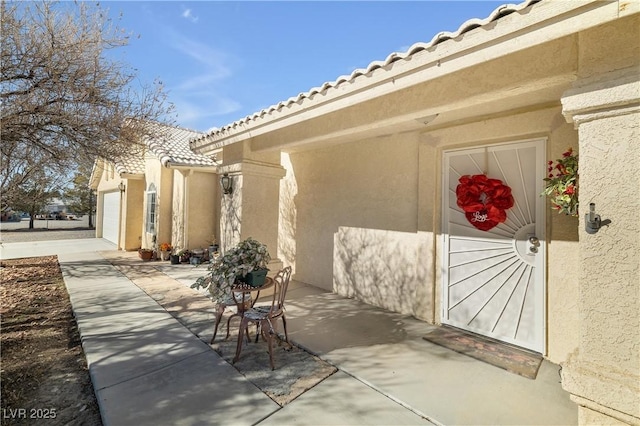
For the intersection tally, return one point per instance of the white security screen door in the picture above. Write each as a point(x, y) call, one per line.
point(111, 216)
point(494, 280)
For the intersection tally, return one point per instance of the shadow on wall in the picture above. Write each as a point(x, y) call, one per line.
point(288, 214)
point(379, 267)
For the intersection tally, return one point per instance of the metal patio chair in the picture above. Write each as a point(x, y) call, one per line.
point(266, 316)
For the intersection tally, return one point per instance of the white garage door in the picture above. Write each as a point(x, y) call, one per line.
point(111, 216)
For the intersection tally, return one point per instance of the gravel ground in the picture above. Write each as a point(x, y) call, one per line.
point(45, 230)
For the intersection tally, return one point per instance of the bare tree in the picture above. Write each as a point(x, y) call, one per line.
point(64, 101)
point(36, 192)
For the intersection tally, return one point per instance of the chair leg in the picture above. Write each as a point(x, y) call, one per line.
point(286, 335)
point(219, 313)
point(257, 331)
point(241, 329)
point(269, 337)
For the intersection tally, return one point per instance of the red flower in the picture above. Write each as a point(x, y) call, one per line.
point(570, 190)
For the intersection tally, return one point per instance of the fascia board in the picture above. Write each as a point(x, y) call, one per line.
point(133, 176)
point(255, 168)
point(191, 168)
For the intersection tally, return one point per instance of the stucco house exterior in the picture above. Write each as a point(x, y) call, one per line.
point(164, 193)
point(355, 184)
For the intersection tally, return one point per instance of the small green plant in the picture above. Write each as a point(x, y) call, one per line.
point(247, 256)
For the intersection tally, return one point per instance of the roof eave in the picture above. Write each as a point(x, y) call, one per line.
point(191, 167)
point(491, 37)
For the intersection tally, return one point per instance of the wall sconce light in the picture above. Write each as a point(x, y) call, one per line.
point(592, 221)
point(121, 187)
point(225, 181)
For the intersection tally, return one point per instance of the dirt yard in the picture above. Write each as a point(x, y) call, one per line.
point(44, 373)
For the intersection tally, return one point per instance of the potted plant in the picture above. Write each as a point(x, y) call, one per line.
point(254, 257)
point(213, 246)
point(145, 254)
point(196, 256)
point(184, 255)
point(165, 250)
point(562, 184)
point(174, 257)
point(247, 257)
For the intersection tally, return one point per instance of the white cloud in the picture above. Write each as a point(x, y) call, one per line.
point(192, 112)
point(187, 14)
point(198, 82)
point(196, 92)
point(212, 59)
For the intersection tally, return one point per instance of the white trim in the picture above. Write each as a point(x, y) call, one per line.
point(151, 191)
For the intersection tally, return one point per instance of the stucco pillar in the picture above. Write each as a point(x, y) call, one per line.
point(603, 373)
point(252, 209)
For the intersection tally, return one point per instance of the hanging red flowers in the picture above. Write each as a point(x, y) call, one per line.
point(484, 200)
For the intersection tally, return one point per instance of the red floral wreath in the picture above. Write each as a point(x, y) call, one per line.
point(484, 200)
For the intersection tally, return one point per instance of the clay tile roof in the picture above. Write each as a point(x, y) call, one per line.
point(171, 146)
point(132, 165)
point(168, 144)
point(441, 37)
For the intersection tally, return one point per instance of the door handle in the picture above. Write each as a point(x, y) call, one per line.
point(535, 243)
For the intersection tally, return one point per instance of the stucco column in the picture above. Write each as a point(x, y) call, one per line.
point(252, 209)
point(603, 374)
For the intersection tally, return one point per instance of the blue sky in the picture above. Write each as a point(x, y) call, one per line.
point(222, 61)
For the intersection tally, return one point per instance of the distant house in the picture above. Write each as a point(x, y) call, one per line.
point(56, 206)
point(165, 194)
point(368, 206)
point(10, 216)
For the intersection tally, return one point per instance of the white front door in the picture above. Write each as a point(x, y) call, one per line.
point(494, 280)
point(111, 216)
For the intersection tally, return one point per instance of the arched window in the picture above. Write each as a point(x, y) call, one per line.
point(150, 220)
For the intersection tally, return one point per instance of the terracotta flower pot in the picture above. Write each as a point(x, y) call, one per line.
point(145, 254)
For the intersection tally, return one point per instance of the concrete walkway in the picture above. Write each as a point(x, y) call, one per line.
point(147, 368)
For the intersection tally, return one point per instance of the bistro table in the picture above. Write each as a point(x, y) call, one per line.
point(241, 298)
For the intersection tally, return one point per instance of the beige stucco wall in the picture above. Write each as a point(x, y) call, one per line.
point(341, 187)
point(132, 214)
point(255, 180)
point(603, 374)
point(201, 223)
point(178, 237)
point(359, 218)
point(195, 203)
